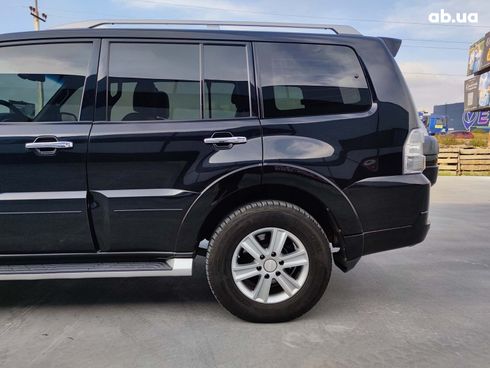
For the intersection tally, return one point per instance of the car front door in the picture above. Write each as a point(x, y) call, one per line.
point(179, 117)
point(44, 128)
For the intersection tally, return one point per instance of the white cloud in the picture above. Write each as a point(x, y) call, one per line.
point(429, 87)
point(202, 7)
point(418, 12)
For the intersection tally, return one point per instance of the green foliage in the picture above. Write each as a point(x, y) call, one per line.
point(480, 131)
point(479, 142)
point(480, 139)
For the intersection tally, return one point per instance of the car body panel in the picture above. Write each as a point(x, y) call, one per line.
point(43, 204)
point(137, 171)
point(43, 200)
point(154, 188)
point(144, 175)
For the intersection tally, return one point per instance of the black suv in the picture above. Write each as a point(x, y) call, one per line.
point(127, 152)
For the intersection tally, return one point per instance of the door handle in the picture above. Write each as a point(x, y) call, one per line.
point(52, 145)
point(225, 140)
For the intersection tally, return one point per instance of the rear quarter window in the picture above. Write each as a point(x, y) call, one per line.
point(308, 80)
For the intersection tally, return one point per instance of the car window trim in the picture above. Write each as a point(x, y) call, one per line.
point(102, 104)
point(250, 75)
point(260, 99)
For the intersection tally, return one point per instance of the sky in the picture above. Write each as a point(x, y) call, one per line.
point(432, 57)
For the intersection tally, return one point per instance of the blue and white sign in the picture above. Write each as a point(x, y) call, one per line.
point(476, 119)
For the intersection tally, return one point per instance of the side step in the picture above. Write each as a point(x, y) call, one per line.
point(169, 267)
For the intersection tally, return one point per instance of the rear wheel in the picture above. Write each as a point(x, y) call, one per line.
point(268, 261)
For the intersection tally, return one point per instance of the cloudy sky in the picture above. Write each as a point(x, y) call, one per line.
point(432, 57)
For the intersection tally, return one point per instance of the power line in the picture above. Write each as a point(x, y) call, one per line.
point(173, 4)
point(280, 14)
point(435, 47)
point(435, 41)
point(264, 13)
point(435, 74)
point(170, 3)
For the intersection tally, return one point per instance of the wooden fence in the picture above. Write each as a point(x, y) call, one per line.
point(464, 160)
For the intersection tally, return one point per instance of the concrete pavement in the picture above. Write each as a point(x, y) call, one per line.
point(426, 306)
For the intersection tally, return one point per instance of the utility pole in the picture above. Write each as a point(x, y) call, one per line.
point(35, 14)
point(40, 88)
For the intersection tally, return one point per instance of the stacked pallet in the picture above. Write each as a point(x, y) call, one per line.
point(474, 160)
point(464, 160)
point(448, 160)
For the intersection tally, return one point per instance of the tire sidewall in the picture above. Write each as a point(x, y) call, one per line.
point(234, 231)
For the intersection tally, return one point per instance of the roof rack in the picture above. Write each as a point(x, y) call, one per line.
point(338, 29)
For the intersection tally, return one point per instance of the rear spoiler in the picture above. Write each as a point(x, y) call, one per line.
point(393, 44)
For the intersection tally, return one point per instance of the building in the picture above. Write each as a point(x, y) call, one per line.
point(452, 117)
point(453, 113)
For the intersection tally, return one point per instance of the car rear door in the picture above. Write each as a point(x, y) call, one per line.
point(46, 112)
point(172, 118)
point(317, 110)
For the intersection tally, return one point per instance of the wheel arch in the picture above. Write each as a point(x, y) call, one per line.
point(268, 191)
point(315, 194)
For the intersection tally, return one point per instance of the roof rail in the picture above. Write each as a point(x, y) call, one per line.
point(338, 29)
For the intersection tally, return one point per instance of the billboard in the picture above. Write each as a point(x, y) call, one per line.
point(476, 119)
point(477, 92)
point(479, 56)
point(471, 93)
point(484, 91)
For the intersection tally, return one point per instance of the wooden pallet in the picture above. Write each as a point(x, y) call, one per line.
point(448, 159)
point(460, 161)
point(474, 160)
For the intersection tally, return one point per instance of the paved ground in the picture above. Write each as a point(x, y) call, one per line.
point(427, 306)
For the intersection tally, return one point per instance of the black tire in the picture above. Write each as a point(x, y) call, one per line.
point(249, 218)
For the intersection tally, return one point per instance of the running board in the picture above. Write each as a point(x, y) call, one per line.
point(102, 270)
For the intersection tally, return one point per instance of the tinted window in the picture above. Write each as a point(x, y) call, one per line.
point(42, 82)
point(226, 88)
point(303, 80)
point(154, 82)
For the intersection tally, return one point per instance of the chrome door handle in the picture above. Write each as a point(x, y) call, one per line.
point(52, 145)
point(225, 140)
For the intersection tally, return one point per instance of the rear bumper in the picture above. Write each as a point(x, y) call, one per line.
point(432, 168)
point(386, 239)
point(393, 211)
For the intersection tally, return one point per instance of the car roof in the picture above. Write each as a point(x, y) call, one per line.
point(224, 35)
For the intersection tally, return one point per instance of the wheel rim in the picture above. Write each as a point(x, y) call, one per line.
point(270, 265)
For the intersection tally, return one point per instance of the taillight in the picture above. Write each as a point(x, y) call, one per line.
point(413, 152)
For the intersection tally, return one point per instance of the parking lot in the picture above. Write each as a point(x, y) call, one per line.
point(426, 306)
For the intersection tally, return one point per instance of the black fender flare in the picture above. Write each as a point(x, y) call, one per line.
point(322, 188)
point(216, 192)
point(331, 197)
